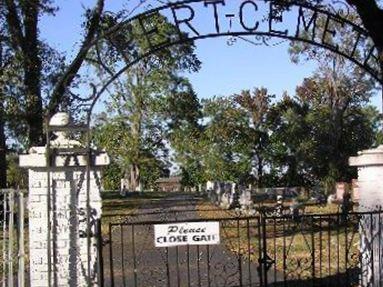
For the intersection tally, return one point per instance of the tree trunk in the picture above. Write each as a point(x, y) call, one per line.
point(3, 146)
point(372, 18)
point(3, 150)
point(260, 171)
point(32, 76)
point(134, 177)
point(34, 109)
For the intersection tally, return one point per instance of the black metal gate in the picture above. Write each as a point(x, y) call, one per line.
point(308, 250)
point(322, 250)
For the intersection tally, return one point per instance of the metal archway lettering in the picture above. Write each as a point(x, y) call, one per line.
point(261, 18)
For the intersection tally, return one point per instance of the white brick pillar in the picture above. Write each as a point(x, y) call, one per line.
point(68, 216)
point(370, 185)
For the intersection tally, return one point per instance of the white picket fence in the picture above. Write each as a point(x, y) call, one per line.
point(12, 238)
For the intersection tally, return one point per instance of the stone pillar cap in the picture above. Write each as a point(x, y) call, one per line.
point(37, 156)
point(60, 119)
point(368, 157)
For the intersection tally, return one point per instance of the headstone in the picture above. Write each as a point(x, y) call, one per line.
point(355, 190)
point(225, 200)
point(246, 202)
point(341, 190)
point(279, 206)
point(295, 210)
point(331, 199)
point(370, 174)
point(68, 216)
point(124, 187)
point(218, 189)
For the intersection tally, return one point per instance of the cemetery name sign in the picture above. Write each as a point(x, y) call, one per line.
point(187, 233)
point(296, 21)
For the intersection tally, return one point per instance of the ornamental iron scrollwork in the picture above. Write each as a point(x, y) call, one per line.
point(257, 22)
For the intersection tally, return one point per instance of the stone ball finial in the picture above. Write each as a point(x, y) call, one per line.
point(60, 119)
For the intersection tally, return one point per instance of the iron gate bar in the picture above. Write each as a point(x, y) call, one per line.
point(313, 251)
point(177, 266)
point(275, 251)
point(239, 255)
point(260, 248)
point(312, 227)
point(337, 248)
point(21, 253)
point(244, 218)
point(188, 265)
point(248, 250)
point(284, 252)
point(198, 266)
point(100, 256)
point(208, 265)
point(134, 257)
point(380, 242)
point(10, 237)
point(320, 247)
point(372, 249)
point(111, 255)
point(329, 247)
point(264, 255)
point(346, 252)
point(122, 256)
point(167, 266)
point(4, 236)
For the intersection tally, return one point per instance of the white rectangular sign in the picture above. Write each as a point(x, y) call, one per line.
point(187, 233)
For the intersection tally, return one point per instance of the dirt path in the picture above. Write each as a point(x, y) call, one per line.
point(136, 262)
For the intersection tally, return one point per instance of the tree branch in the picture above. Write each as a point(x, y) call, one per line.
point(13, 20)
point(372, 17)
point(69, 75)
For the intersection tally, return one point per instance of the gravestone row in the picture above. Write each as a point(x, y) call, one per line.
point(229, 195)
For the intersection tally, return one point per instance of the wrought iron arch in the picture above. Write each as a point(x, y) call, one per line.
point(306, 17)
point(369, 61)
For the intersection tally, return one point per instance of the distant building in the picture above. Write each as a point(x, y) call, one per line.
point(169, 184)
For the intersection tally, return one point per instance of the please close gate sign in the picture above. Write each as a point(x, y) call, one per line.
point(187, 233)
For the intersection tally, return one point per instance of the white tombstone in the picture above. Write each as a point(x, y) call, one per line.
point(245, 201)
point(68, 232)
point(370, 174)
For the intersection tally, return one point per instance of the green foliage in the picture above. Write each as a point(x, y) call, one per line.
point(301, 141)
point(16, 176)
point(111, 177)
point(149, 102)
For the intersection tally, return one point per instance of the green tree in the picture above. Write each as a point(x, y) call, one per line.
point(370, 13)
point(226, 138)
point(256, 106)
point(185, 136)
point(5, 59)
point(289, 143)
point(148, 100)
point(336, 96)
point(21, 19)
point(303, 150)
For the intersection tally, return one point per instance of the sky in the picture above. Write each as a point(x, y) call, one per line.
point(225, 69)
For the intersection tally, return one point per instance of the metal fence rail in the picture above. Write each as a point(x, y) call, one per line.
point(131, 259)
point(322, 249)
point(12, 238)
point(307, 250)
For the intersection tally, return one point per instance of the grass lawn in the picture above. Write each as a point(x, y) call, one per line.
point(293, 244)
